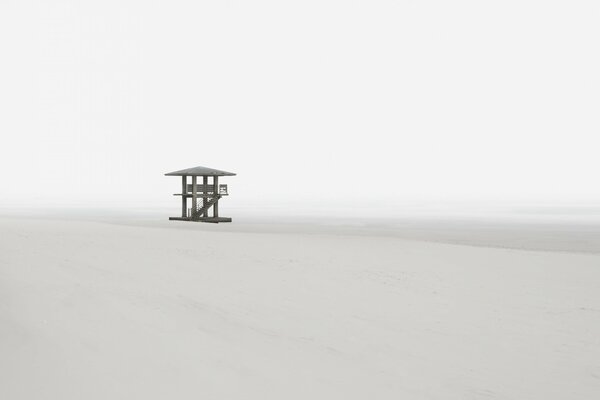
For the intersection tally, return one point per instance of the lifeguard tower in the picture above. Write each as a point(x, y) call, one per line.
point(208, 192)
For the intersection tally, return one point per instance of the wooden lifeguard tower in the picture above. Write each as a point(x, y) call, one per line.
point(209, 193)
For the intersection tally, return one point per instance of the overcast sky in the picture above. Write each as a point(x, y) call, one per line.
point(376, 101)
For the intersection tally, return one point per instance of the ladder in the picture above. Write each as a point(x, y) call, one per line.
point(201, 209)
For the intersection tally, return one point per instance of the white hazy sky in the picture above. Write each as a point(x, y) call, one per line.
point(317, 101)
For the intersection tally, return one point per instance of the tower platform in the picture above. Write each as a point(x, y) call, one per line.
point(214, 220)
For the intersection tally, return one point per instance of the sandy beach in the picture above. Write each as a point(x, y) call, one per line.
point(93, 309)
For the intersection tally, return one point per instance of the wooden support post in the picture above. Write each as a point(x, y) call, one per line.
point(205, 197)
point(183, 197)
point(216, 194)
point(194, 196)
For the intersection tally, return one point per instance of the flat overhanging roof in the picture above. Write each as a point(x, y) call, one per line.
point(200, 171)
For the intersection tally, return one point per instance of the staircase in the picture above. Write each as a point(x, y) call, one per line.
point(201, 209)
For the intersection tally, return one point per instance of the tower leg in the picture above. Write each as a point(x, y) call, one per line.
point(216, 194)
point(194, 196)
point(183, 197)
point(205, 199)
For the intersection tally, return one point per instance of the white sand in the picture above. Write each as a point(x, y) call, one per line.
point(92, 310)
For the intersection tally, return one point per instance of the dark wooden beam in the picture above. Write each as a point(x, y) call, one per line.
point(205, 198)
point(194, 196)
point(183, 197)
point(216, 193)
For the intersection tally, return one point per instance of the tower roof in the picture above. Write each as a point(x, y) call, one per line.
point(200, 171)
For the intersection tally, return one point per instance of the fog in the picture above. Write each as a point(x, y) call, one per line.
point(312, 102)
